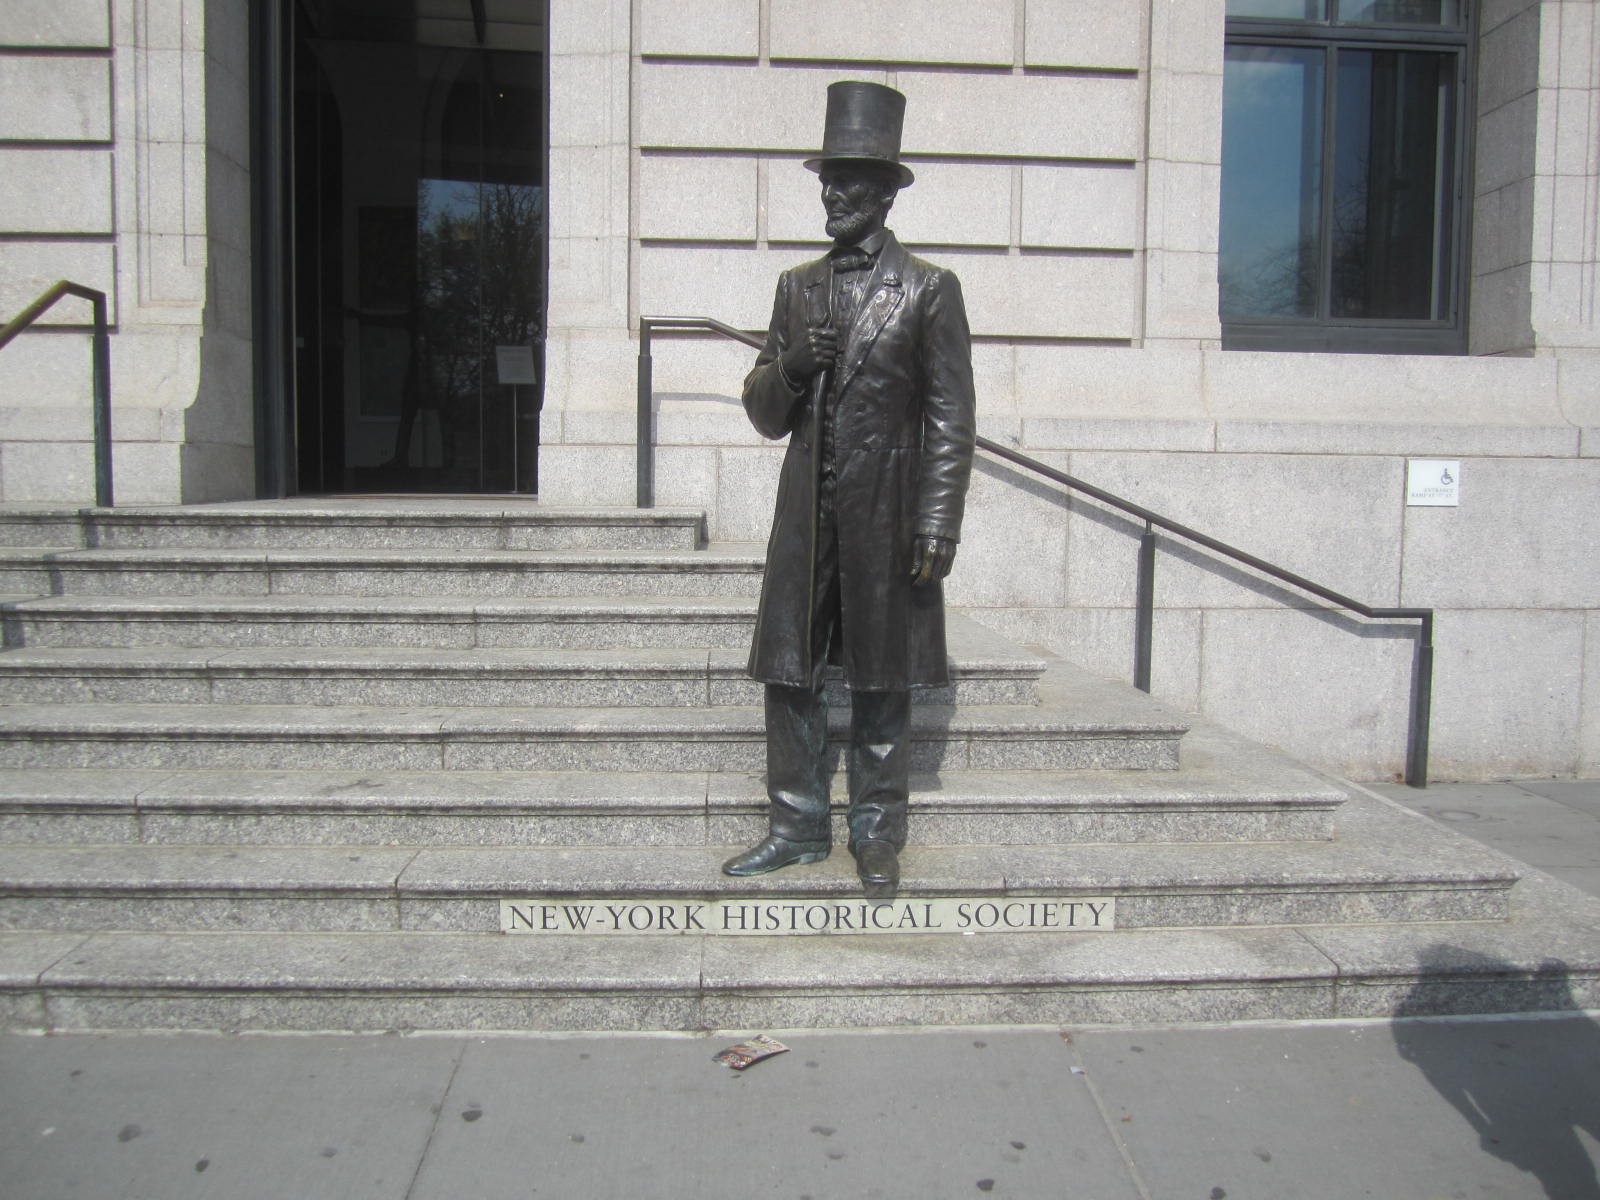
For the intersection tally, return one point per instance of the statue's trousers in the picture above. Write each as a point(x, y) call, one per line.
point(878, 761)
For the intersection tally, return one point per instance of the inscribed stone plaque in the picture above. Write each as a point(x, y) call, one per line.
point(742, 917)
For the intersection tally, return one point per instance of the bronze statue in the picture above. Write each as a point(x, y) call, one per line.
point(868, 370)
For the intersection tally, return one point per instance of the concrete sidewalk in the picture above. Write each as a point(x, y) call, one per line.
point(1550, 824)
point(1414, 1110)
point(1406, 1110)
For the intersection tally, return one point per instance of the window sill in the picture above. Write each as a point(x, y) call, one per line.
point(1342, 339)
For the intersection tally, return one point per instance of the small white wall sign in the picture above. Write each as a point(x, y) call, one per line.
point(1433, 483)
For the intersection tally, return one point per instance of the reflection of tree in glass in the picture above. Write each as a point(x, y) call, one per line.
point(478, 259)
point(448, 276)
point(1373, 271)
point(513, 231)
point(1384, 236)
point(1382, 246)
point(1277, 282)
point(1351, 249)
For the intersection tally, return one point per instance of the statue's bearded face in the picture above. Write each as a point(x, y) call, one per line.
point(857, 200)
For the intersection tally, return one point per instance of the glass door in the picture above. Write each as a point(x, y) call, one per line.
point(420, 248)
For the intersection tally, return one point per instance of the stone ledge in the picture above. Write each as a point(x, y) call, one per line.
point(427, 622)
point(1225, 790)
point(367, 676)
point(1385, 869)
point(442, 524)
point(481, 982)
point(374, 573)
point(625, 739)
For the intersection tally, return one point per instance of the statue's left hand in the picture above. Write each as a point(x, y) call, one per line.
point(931, 559)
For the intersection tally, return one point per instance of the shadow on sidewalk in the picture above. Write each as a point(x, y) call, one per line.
point(1528, 1087)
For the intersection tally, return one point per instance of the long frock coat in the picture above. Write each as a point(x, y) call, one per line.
point(903, 423)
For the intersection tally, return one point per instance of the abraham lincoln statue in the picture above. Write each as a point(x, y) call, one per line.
point(868, 371)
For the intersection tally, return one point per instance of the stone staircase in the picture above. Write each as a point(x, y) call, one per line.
point(277, 766)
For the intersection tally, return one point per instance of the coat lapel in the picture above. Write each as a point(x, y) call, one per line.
point(884, 292)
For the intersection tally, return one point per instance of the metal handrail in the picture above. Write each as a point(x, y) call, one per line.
point(101, 351)
point(1422, 666)
point(645, 443)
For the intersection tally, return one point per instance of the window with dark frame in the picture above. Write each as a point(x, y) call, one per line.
point(1342, 176)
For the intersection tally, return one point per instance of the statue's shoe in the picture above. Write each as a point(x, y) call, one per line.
point(878, 865)
point(772, 853)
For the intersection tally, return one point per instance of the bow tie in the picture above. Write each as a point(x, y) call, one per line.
point(850, 260)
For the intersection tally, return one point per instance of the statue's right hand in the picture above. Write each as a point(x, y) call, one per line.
point(816, 351)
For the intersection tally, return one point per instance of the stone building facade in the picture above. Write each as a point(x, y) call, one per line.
point(1070, 167)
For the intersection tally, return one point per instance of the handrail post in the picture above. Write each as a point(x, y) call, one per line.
point(1144, 615)
point(102, 405)
point(1421, 707)
point(645, 438)
point(100, 372)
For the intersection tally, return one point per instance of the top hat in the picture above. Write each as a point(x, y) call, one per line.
point(863, 126)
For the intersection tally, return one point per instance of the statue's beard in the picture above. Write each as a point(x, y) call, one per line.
point(848, 229)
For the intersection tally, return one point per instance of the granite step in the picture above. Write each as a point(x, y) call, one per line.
point(731, 569)
point(480, 982)
point(1081, 722)
point(420, 678)
point(984, 670)
point(1227, 790)
point(432, 622)
point(358, 522)
point(998, 737)
point(1383, 868)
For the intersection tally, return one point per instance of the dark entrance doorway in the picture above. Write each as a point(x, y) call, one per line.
point(419, 247)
